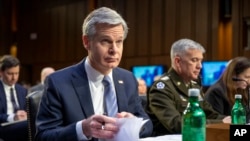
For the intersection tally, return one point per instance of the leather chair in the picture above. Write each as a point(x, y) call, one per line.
point(33, 101)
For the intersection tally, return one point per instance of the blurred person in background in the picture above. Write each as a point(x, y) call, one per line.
point(44, 73)
point(142, 90)
point(12, 101)
point(234, 80)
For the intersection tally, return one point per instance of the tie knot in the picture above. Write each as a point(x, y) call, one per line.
point(106, 81)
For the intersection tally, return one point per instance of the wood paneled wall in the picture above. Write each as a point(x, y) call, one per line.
point(49, 31)
point(155, 25)
point(5, 26)
point(240, 11)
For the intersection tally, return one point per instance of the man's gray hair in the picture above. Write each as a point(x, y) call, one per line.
point(102, 15)
point(181, 46)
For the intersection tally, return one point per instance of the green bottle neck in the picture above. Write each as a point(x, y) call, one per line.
point(193, 101)
point(237, 101)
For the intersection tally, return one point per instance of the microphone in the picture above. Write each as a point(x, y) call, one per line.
point(238, 79)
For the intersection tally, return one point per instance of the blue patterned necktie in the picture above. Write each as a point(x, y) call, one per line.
point(110, 102)
point(13, 101)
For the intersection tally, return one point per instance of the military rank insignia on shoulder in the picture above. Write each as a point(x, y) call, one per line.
point(160, 85)
point(193, 82)
point(165, 78)
point(182, 98)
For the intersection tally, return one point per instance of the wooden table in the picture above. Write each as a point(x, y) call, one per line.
point(218, 132)
point(214, 132)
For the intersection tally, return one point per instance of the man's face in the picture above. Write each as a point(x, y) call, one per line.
point(189, 64)
point(10, 76)
point(142, 87)
point(105, 48)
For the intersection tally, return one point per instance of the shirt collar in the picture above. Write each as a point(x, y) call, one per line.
point(94, 75)
point(7, 86)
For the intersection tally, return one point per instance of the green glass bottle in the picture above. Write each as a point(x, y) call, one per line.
point(194, 119)
point(238, 113)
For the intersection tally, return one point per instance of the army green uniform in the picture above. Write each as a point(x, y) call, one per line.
point(168, 98)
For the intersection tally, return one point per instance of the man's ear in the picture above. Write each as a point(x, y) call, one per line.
point(177, 60)
point(85, 41)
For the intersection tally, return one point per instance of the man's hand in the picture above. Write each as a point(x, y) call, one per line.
point(227, 119)
point(100, 126)
point(20, 115)
point(124, 115)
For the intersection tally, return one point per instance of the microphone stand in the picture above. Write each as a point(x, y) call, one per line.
point(248, 95)
point(248, 104)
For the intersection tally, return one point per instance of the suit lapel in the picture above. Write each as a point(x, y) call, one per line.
point(80, 82)
point(20, 98)
point(120, 92)
point(3, 98)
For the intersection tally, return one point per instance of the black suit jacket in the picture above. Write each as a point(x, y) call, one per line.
point(18, 131)
point(21, 97)
point(67, 100)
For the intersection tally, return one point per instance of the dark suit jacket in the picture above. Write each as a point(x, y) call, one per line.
point(18, 131)
point(21, 96)
point(143, 100)
point(216, 95)
point(67, 100)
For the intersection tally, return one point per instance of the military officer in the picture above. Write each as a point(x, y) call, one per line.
point(168, 97)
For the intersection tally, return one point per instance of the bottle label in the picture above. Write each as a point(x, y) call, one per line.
point(239, 119)
point(193, 134)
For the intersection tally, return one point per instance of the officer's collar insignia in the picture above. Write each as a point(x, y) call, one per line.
point(193, 82)
point(165, 78)
point(178, 83)
point(160, 85)
point(182, 98)
point(200, 98)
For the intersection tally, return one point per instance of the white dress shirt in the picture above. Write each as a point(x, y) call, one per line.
point(10, 109)
point(97, 94)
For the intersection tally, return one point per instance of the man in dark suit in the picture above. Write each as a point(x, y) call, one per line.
point(142, 91)
point(44, 73)
point(74, 105)
point(12, 100)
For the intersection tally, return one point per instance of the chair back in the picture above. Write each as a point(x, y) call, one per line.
point(33, 101)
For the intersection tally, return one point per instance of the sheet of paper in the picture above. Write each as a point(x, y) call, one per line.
point(10, 123)
point(176, 137)
point(129, 129)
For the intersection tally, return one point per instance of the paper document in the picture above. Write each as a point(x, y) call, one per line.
point(129, 129)
point(176, 137)
point(10, 123)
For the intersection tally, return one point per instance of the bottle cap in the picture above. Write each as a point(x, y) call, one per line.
point(238, 96)
point(193, 92)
